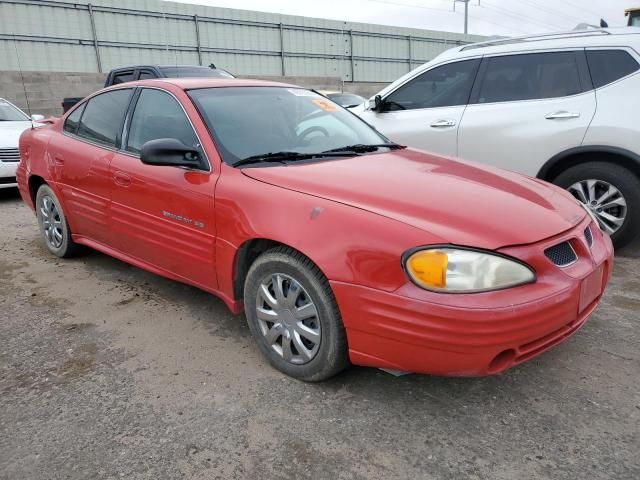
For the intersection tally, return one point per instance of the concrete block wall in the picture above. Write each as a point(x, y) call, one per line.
point(45, 90)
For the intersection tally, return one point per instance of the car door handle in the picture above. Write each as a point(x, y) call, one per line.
point(561, 114)
point(122, 179)
point(443, 123)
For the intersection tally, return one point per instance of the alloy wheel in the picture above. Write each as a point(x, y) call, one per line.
point(605, 201)
point(288, 318)
point(52, 227)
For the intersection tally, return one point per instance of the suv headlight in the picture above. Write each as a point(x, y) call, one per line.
point(461, 270)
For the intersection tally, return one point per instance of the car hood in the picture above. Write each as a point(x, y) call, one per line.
point(460, 202)
point(10, 133)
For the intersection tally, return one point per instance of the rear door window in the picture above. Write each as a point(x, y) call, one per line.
point(444, 86)
point(607, 66)
point(73, 120)
point(103, 117)
point(530, 76)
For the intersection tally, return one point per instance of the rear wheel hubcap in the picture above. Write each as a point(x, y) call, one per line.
point(288, 319)
point(605, 201)
point(51, 222)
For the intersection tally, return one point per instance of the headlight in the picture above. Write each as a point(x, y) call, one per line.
point(460, 270)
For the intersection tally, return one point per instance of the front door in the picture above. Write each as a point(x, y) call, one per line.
point(82, 159)
point(426, 111)
point(161, 215)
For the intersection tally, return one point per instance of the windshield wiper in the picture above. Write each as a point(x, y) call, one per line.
point(287, 156)
point(362, 148)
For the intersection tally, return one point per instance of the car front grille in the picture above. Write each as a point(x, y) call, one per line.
point(9, 155)
point(562, 254)
point(588, 235)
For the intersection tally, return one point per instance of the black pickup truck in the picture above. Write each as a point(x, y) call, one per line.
point(143, 72)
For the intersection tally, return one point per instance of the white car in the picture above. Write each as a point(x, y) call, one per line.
point(562, 107)
point(13, 122)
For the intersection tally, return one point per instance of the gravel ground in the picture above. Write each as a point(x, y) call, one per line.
point(107, 371)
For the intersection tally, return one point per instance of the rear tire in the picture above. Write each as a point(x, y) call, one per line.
point(53, 224)
point(622, 205)
point(293, 316)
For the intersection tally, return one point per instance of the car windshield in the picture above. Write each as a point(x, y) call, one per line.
point(346, 99)
point(187, 72)
point(9, 113)
point(252, 121)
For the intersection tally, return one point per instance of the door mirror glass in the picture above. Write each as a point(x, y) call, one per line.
point(170, 152)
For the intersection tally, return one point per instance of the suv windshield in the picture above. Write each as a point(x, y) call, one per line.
point(9, 113)
point(250, 122)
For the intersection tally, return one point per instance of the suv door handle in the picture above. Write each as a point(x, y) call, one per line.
point(122, 179)
point(561, 114)
point(443, 123)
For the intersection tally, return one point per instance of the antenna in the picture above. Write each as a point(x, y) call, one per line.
point(24, 87)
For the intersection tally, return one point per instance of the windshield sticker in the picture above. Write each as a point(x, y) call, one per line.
point(325, 105)
point(301, 92)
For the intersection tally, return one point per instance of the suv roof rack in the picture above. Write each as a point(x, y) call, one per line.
point(537, 38)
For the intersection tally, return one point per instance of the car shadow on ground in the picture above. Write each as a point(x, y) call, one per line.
point(9, 195)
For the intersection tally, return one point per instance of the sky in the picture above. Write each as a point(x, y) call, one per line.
point(486, 17)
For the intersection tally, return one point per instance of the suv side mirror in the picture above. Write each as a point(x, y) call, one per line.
point(170, 152)
point(376, 103)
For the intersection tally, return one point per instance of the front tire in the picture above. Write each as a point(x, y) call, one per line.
point(611, 192)
point(53, 224)
point(293, 316)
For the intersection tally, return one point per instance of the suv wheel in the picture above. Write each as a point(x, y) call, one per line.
point(611, 192)
point(53, 224)
point(294, 317)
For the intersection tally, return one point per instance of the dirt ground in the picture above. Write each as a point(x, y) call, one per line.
point(107, 371)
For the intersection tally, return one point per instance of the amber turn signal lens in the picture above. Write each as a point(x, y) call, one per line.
point(429, 268)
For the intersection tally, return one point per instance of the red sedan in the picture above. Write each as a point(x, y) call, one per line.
point(340, 246)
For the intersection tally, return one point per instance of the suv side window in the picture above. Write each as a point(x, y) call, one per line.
point(122, 77)
point(73, 120)
point(103, 117)
point(607, 66)
point(444, 86)
point(147, 74)
point(529, 77)
point(159, 115)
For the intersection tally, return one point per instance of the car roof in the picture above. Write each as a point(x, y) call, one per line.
point(195, 83)
point(588, 37)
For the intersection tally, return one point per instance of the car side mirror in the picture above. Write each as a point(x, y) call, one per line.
point(170, 152)
point(376, 103)
point(37, 117)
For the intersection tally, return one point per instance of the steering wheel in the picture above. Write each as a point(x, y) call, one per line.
point(316, 128)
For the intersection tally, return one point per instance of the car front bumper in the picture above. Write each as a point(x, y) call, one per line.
point(478, 334)
point(8, 174)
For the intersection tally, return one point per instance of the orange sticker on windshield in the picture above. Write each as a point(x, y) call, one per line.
point(325, 105)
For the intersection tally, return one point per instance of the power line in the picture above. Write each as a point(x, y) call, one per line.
point(553, 12)
point(519, 16)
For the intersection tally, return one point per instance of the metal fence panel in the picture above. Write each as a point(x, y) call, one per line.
point(96, 35)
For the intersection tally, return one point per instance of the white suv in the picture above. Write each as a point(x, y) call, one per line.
point(561, 107)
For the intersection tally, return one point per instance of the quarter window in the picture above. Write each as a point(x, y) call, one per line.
point(443, 86)
point(103, 117)
point(530, 76)
point(159, 115)
point(607, 66)
point(73, 120)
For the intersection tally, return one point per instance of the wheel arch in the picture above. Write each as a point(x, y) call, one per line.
point(35, 182)
point(247, 253)
point(588, 153)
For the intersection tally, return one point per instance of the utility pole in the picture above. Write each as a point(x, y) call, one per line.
point(466, 12)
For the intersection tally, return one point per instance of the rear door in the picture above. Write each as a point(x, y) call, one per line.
point(526, 108)
point(82, 157)
point(425, 112)
point(163, 216)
